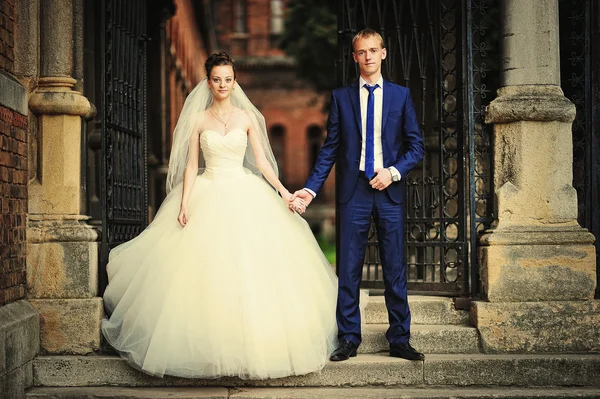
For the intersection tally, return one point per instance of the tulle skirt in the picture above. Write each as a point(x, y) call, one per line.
point(243, 290)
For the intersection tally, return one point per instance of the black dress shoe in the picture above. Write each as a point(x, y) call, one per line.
point(346, 350)
point(405, 351)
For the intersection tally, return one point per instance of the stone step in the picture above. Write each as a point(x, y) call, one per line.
point(311, 393)
point(423, 309)
point(363, 370)
point(440, 339)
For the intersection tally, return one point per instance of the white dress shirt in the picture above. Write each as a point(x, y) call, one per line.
point(378, 114)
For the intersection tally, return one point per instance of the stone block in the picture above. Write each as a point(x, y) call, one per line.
point(524, 265)
point(512, 370)
point(15, 383)
point(19, 335)
point(538, 327)
point(425, 338)
point(70, 371)
point(69, 326)
point(62, 269)
point(423, 309)
point(129, 393)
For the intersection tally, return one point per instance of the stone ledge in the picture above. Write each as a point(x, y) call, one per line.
point(423, 309)
point(364, 370)
point(69, 326)
point(538, 327)
point(513, 370)
point(312, 393)
point(19, 335)
point(535, 103)
point(425, 338)
point(13, 94)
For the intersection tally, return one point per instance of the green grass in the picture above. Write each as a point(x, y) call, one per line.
point(328, 248)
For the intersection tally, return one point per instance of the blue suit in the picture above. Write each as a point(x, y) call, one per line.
point(402, 146)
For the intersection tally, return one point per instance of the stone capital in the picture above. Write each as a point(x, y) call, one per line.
point(539, 103)
point(55, 96)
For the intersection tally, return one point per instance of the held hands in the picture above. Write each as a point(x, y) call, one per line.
point(293, 204)
point(382, 179)
point(305, 197)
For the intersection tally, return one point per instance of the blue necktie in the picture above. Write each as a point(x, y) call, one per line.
point(370, 133)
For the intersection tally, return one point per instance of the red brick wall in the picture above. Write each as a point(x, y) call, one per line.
point(187, 57)
point(13, 202)
point(7, 28)
point(13, 175)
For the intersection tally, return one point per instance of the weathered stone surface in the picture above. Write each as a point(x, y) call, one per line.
point(129, 393)
point(421, 393)
point(532, 174)
point(426, 338)
point(15, 383)
point(69, 326)
point(62, 269)
point(513, 370)
point(363, 370)
point(530, 42)
point(537, 272)
point(542, 103)
point(19, 335)
point(423, 310)
point(534, 327)
point(13, 95)
point(312, 393)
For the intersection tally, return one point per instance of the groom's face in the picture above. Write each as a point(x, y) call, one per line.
point(369, 53)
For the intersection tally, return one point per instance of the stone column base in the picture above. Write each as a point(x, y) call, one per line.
point(69, 326)
point(538, 327)
point(524, 264)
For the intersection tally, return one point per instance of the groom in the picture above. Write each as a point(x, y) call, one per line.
point(373, 135)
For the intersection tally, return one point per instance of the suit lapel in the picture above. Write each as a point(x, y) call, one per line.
point(388, 94)
point(354, 94)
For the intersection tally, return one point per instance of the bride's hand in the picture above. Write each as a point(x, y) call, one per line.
point(287, 199)
point(298, 205)
point(183, 216)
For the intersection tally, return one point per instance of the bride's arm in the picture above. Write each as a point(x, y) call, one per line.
point(261, 161)
point(189, 176)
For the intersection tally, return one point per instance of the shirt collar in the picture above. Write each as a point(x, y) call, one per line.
point(362, 82)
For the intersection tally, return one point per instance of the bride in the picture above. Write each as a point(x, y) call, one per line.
point(227, 280)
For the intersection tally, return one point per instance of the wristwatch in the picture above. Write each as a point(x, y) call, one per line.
point(395, 177)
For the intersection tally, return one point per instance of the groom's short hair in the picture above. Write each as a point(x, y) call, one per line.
point(365, 33)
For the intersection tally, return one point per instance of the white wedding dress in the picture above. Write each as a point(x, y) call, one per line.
point(242, 290)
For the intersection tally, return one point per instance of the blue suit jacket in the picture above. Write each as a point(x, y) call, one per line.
point(401, 140)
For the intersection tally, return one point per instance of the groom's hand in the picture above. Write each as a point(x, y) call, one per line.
point(382, 179)
point(305, 195)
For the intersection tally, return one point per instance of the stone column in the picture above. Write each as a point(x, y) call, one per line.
point(538, 266)
point(62, 249)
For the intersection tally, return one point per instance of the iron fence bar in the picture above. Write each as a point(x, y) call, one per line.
point(474, 272)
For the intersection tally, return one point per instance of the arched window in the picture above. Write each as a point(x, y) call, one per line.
point(314, 138)
point(277, 139)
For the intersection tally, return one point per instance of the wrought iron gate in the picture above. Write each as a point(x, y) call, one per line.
point(445, 52)
point(580, 79)
point(123, 123)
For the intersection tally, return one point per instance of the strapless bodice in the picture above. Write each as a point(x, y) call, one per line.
point(223, 154)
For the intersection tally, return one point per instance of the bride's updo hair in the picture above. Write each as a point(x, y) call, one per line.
point(218, 59)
